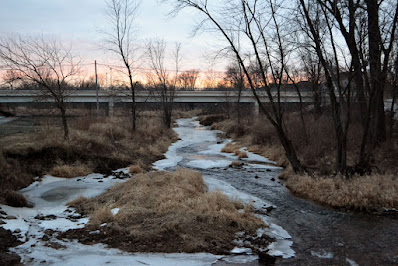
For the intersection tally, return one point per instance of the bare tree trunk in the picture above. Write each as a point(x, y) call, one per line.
point(394, 96)
point(133, 110)
point(392, 111)
point(62, 108)
point(290, 151)
point(378, 127)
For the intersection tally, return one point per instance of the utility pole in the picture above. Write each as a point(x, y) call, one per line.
point(110, 77)
point(96, 86)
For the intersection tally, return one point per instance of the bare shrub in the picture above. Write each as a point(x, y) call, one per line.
point(208, 120)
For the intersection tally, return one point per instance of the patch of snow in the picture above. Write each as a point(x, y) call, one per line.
point(75, 253)
point(275, 230)
point(17, 224)
point(115, 211)
point(281, 248)
point(237, 250)
point(255, 157)
point(207, 164)
point(261, 166)
point(49, 197)
point(322, 254)
point(189, 132)
point(215, 149)
point(234, 194)
point(4, 120)
point(240, 259)
point(63, 224)
point(351, 262)
point(123, 170)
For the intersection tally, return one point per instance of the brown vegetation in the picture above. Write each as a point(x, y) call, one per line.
point(316, 150)
point(165, 212)
point(70, 171)
point(235, 149)
point(365, 193)
point(95, 144)
point(136, 169)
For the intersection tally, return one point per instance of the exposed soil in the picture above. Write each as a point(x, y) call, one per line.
point(218, 241)
point(38, 162)
point(7, 240)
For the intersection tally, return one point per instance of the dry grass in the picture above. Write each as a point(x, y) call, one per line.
point(241, 154)
point(13, 198)
point(208, 120)
point(365, 193)
point(95, 144)
point(236, 164)
point(169, 212)
point(234, 148)
point(70, 171)
point(136, 169)
point(229, 148)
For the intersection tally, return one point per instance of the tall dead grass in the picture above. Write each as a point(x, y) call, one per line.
point(364, 193)
point(170, 212)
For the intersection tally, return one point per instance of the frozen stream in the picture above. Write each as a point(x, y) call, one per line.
point(311, 234)
point(321, 236)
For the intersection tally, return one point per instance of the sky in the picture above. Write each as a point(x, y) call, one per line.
point(78, 22)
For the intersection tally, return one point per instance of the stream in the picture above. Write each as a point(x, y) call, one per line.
point(305, 233)
point(321, 236)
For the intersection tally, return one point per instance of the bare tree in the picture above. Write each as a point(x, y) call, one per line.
point(394, 93)
point(120, 39)
point(260, 22)
point(235, 78)
point(312, 72)
point(188, 79)
point(164, 83)
point(44, 62)
point(340, 93)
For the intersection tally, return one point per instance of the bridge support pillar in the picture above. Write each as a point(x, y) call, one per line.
point(256, 108)
point(111, 105)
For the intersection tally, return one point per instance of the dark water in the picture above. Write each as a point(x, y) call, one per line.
point(321, 236)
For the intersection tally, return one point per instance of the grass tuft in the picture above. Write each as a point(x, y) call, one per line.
point(136, 169)
point(71, 171)
point(14, 199)
point(170, 212)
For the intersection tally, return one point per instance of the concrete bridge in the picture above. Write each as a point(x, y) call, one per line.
point(110, 98)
